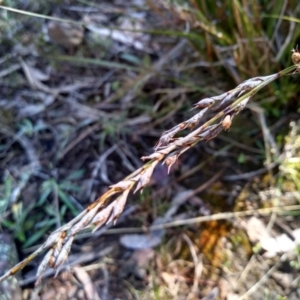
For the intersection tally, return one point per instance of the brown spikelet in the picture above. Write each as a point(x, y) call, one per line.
point(296, 56)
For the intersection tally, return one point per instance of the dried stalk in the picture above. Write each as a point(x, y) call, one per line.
point(167, 151)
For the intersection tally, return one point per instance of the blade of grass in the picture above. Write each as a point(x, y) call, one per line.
point(98, 62)
point(32, 14)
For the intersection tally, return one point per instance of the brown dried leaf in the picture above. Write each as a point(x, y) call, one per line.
point(87, 283)
point(33, 81)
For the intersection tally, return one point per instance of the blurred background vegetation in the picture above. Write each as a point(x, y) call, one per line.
point(82, 101)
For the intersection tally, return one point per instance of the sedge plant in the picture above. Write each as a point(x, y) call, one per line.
point(109, 206)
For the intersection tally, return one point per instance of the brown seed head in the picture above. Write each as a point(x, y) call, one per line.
point(226, 122)
point(296, 56)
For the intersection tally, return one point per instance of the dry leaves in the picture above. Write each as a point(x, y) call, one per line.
point(87, 283)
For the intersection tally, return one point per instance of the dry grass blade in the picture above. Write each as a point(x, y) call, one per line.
point(108, 207)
